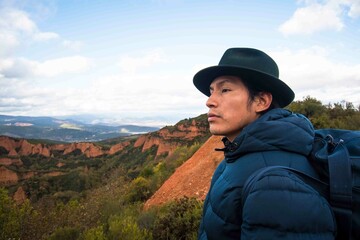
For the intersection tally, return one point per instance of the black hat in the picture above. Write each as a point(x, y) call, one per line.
point(253, 66)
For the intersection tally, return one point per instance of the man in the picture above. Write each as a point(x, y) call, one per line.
point(246, 100)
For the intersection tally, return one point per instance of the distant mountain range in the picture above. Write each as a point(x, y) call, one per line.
point(64, 130)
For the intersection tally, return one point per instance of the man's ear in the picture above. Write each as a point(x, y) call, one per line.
point(263, 101)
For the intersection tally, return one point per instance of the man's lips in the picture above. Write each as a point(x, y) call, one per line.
point(212, 117)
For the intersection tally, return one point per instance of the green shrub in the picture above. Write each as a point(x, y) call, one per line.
point(146, 172)
point(13, 217)
point(179, 221)
point(139, 190)
point(9, 221)
point(126, 228)
point(338, 115)
point(96, 233)
point(68, 233)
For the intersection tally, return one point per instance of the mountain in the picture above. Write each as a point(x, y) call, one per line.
point(84, 184)
point(65, 130)
point(38, 168)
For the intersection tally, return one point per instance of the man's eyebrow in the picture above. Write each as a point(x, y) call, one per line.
point(220, 83)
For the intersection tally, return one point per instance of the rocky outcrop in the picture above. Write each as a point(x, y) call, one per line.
point(118, 147)
point(8, 143)
point(192, 179)
point(60, 164)
point(13, 153)
point(21, 147)
point(10, 177)
point(89, 149)
point(7, 176)
point(19, 195)
point(164, 145)
point(27, 175)
point(168, 139)
point(10, 161)
point(16, 147)
point(54, 174)
point(27, 149)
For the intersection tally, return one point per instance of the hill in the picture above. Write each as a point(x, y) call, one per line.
point(82, 166)
point(67, 130)
point(78, 193)
point(192, 179)
point(59, 188)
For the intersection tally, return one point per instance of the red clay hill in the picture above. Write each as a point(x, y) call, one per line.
point(191, 179)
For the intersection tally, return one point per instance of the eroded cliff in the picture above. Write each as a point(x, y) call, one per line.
point(191, 179)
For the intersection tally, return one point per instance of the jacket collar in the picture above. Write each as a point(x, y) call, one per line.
point(278, 129)
point(228, 145)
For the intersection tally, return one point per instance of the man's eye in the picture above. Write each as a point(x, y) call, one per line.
point(225, 90)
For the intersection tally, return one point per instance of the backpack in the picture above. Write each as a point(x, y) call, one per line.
point(336, 158)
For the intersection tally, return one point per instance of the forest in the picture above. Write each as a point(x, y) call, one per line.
point(107, 202)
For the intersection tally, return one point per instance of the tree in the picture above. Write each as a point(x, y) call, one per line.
point(309, 107)
point(338, 115)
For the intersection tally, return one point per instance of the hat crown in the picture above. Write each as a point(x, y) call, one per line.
point(253, 66)
point(251, 59)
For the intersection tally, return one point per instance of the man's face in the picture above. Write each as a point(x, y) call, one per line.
point(229, 107)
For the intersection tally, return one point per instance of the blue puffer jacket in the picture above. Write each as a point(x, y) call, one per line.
point(279, 137)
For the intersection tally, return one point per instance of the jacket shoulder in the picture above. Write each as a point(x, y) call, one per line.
point(282, 204)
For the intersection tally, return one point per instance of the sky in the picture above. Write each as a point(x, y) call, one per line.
point(133, 61)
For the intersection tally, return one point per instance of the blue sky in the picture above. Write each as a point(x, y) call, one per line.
point(133, 61)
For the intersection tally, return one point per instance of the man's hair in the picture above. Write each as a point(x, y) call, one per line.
point(253, 93)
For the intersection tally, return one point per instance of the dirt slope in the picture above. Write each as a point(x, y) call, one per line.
point(192, 179)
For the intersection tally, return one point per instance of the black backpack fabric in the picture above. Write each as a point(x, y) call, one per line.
point(336, 158)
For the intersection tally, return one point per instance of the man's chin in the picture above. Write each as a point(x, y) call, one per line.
point(216, 132)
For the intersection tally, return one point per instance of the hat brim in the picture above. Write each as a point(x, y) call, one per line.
point(281, 92)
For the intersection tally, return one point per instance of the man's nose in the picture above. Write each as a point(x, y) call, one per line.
point(211, 102)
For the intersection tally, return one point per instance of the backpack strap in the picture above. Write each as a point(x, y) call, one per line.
point(340, 182)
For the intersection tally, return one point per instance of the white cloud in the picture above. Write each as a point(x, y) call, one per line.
point(312, 18)
point(65, 65)
point(122, 95)
point(16, 20)
point(313, 72)
point(24, 68)
point(19, 97)
point(17, 28)
point(73, 45)
point(318, 16)
point(132, 64)
point(45, 36)
point(16, 68)
point(141, 93)
point(354, 5)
